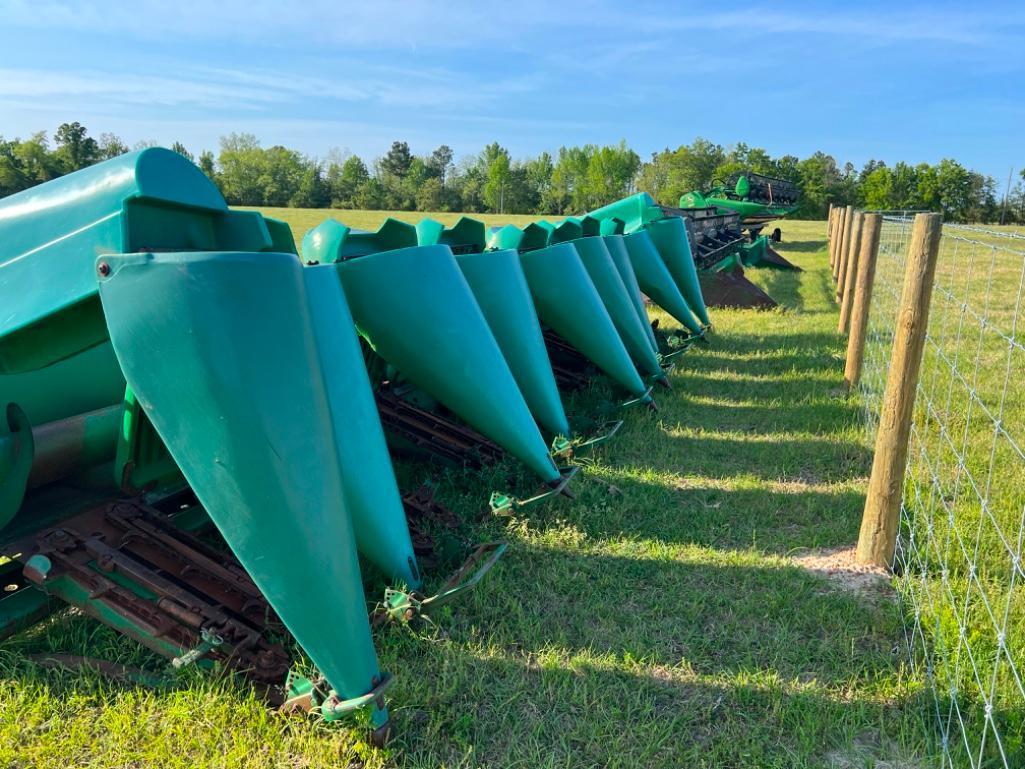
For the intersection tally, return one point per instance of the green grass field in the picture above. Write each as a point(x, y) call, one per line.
point(965, 486)
point(659, 619)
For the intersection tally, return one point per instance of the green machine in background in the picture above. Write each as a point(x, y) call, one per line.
point(712, 254)
point(758, 198)
point(176, 365)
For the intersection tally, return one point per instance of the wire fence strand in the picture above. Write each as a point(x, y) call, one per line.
point(959, 551)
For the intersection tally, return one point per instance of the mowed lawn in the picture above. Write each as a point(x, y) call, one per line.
point(656, 620)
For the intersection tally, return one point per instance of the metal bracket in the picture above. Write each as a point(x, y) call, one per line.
point(400, 606)
point(646, 399)
point(504, 503)
point(303, 693)
point(209, 642)
point(561, 447)
point(600, 438)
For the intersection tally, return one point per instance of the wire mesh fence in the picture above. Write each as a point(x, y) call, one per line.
point(959, 557)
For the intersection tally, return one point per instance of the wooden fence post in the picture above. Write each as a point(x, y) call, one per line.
point(829, 224)
point(831, 233)
point(845, 251)
point(849, 271)
point(844, 239)
point(834, 246)
point(877, 541)
point(862, 302)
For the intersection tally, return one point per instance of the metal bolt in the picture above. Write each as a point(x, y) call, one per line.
point(103, 268)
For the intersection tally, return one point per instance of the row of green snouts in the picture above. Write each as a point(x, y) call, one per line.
point(247, 366)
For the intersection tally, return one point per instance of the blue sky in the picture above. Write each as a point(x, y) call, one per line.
point(887, 80)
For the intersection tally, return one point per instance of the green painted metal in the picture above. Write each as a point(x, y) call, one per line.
point(656, 282)
point(634, 211)
point(757, 198)
point(501, 290)
point(613, 292)
point(332, 241)
point(756, 253)
point(616, 245)
point(745, 208)
point(17, 450)
point(530, 238)
point(466, 236)
point(670, 238)
point(50, 234)
point(20, 609)
point(567, 301)
point(249, 403)
point(418, 312)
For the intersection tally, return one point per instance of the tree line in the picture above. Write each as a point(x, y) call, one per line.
point(572, 180)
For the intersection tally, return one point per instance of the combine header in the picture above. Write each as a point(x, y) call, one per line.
point(197, 427)
point(175, 368)
point(757, 198)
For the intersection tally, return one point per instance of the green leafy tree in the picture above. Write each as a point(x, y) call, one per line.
point(396, 163)
point(440, 162)
point(75, 148)
point(111, 146)
point(345, 180)
point(431, 195)
point(206, 164)
point(610, 175)
point(498, 176)
point(877, 188)
point(539, 182)
point(241, 164)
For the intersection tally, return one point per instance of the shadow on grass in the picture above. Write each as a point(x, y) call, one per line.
point(515, 707)
point(627, 661)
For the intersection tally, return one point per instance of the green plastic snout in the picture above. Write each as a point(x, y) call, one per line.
point(655, 281)
point(670, 238)
point(607, 280)
point(501, 290)
point(418, 312)
point(466, 236)
point(567, 301)
point(222, 353)
point(621, 258)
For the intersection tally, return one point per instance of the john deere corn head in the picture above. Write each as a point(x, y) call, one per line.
point(168, 366)
point(197, 428)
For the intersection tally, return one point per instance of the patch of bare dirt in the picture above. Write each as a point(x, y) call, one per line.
point(838, 565)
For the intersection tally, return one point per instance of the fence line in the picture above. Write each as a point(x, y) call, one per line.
point(958, 559)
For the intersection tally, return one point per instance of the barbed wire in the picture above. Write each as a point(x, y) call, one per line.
point(959, 552)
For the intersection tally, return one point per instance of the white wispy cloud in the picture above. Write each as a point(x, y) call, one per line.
point(391, 24)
